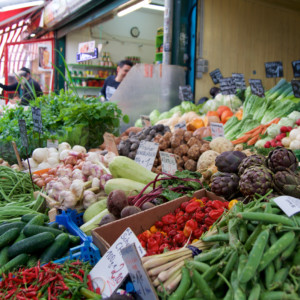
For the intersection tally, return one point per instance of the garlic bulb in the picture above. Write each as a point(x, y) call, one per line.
point(64, 154)
point(79, 149)
point(67, 199)
point(95, 183)
point(77, 174)
point(77, 188)
point(88, 198)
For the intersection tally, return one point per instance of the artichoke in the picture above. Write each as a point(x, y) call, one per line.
point(287, 183)
point(281, 159)
point(252, 160)
point(256, 180)
point(225, 184)
point(229, 161)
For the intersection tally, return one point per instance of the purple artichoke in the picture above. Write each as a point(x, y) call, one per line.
point(229, 161)
point(281, 159)
point(287, 183)
point(256, 180)
point(252, 160)
point(225, 184)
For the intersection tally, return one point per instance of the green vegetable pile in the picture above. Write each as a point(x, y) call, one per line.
point(258, 258)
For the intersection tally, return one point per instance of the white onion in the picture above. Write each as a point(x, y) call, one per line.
point(40, 154)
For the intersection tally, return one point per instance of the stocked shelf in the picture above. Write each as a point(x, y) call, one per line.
point(87, 78)
point(91, 66)
point(88, 87)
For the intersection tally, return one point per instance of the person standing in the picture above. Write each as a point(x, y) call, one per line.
point(25, 86)
point(112, 82)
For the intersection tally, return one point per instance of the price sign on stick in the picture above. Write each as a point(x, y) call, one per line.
point(110, 143)
point(239, 80)
point(168, 162)
point(296, 88)
point(257, 87)
point(146, 121)
point(137, 273)
point(37, 119)
point(227, 86)
point(52, 144)
point(289, 205)
point(217, 130)
point(274, 69)
point(185, 93)
point(111, 270)
point(146, 154)
point(181, 125)
point(296, 68)
point(216, 75)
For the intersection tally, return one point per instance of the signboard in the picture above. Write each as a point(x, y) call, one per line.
point(37, 119)
point(227, 86)
point(110, 143)
point(257, 87)
point(288, 204)
point(146, 154)
point(296, 88)
point(239, 80)
point(87, 56)
point(296, 68)
point(216, 75)
point(217, 130)
point(110, 271)
point(168, 162)
point(23, 133)
point(185, 93)
point(180, 125)
point(146, 121)
point(137, 273)
point(274, 69)
point(52, 144)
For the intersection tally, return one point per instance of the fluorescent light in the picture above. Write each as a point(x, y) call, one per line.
point(21, 5)
point(133, 8)
point(32, 35)
point(155, 7)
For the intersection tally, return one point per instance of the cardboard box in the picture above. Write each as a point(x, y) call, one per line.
point(106, 235)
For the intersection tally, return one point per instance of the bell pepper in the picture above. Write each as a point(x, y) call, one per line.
point(152, 244)
point(190, 226)
point(192, 206)
point(179, 238)
point(232, 203)
point(197, 233)
point(168, 219)
point(159, 224)
point(216, 213)
point(184, 205)
point(153, 229)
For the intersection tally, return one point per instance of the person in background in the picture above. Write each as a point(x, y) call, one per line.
point(112, 82)
point(214, 91)
point(26, 93)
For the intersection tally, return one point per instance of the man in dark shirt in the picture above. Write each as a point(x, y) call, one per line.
point(24, 90)
point(112, 82)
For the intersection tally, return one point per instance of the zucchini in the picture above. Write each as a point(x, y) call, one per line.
point(16, 262)
point(31, 244)
point(4, 256)
point(5, 227)
point(26, 218)
point(9, 236)
point(31, 230)
point(32, 261)
point(57, 249)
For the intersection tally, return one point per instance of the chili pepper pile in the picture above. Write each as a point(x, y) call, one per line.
point(185, 225)
point(51, 281)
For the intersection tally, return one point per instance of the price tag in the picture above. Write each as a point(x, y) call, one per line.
point(239, 80)
point(257, 87)
point(110, 144)
point(217, 130)
point(168, 162)
point(146, 121)
point(111, 270)
point(52, 144)
point(23, 133)
point(216, 75)
point(37, 119)
point(296, 88)
point(296, 68)
point(185, 93)
point(274, 69)
point(181, 125)
point(227, 86)
point(137, 273)
point(289, 205)
point(146, 154)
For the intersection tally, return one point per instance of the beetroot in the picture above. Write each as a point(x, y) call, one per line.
point(129, 210)
point(107, 219)
point(116, 201)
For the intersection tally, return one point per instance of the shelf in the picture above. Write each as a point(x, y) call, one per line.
point(88, 87)
point(88, 78)
point(91, 66)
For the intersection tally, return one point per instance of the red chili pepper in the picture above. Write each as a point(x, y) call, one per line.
point(177, 210)
point(172, 232)
point(209, 221)
point(168, 219)
point(98, 291)
point(166, 229)
point(164, 246)
point(199, 216)
point(89, 283)
point(77, 276)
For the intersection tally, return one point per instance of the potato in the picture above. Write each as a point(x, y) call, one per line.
point(167, 136)
point(175, 142)
point(194, 152)
point(181, 150)
point(204, 147)
point(194, 141)
point(185, 158)
point(190, 165)
point(187, 136)
point(179, 132)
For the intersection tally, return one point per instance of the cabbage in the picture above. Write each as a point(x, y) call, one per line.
point(232, 101)
point(210, 105)
point(176, 109)
point(138, 123)
point(188, 106)
point(295, 115)
point(165, 115)
point(286, 122)
point(154, 115)
point(273, 130)
point(261, 143)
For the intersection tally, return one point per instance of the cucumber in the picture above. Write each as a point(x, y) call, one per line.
point(26, 218)
point(57, 249)
point(32, 261)
point(4, 256)
point(53, 225)
point(16, 262)
point(62, 228)
point(74, 240)
point(31, 244)
point(31, 230)
point(9, 236)
point(5, 227)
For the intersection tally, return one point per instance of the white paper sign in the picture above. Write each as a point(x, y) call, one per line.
point(146, 154)
point(111, 270)
point(289, 205)
point(137, 273)
point(217, 130)
point(146, 121)
point(52, 144)
point(181, 125)
point(168, 162)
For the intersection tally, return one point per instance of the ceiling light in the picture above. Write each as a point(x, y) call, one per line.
point(32, 35)
point(21, 5)
point(155, 7)
point(132, 8)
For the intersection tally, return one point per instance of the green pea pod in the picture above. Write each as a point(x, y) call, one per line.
point(229, 295)
point(223, 237)
point(289, 251)
point(191, 291)
point(278, 296)
point(203, 286)
point(242, 263)
point(198, 265)
point(273, 240)
point(252, 238)
point(268, 208)
point(269, 275)
point(243, 232)
point(279, 278)
point(211, 272)
point(296, 259)
point(255, 292)
point(209, 255)
point(183, 286)
point(233, 233)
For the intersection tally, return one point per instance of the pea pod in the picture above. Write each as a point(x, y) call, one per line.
point(289, 251)
point(222, 237)
point(211, 272)
point(191, 291)
point(255, 292)
point(200, 266)
point(253, 237)
point(242, 263)
point(269, 275)
point(233, 233)
point(278, 296)
point(273, 240)
point(296, 259)
point(183, 286)
point(229, 295)
point(209, 255)
point(279, 278)
point(238, 294)
point(243, 232)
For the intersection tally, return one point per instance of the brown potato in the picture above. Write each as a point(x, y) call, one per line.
point(194, 152)
point(190, 165)
point(194, 141)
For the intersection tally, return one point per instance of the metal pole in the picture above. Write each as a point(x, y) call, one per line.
point(168, 31)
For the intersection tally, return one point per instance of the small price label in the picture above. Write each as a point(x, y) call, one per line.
point(289, 205)
point(257, 87)
point(23, 133)
point(137, 273)
point(296, 88)
point(274, 69)
point(146, 121)
point(52, 144)
point(181, 125)
point(168, 162)
point(110, 143)
point(216, 75)
point(185, 93)
point(227, 86)
point(239, 80)
point(217, 130)
point(296, 68)
point(37, 119)
point(146, 154)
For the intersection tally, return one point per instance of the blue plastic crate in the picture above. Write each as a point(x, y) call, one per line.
point(76, 217)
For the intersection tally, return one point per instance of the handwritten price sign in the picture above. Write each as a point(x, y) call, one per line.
point(168, 162)
point(146, 154)
point(217, 130)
